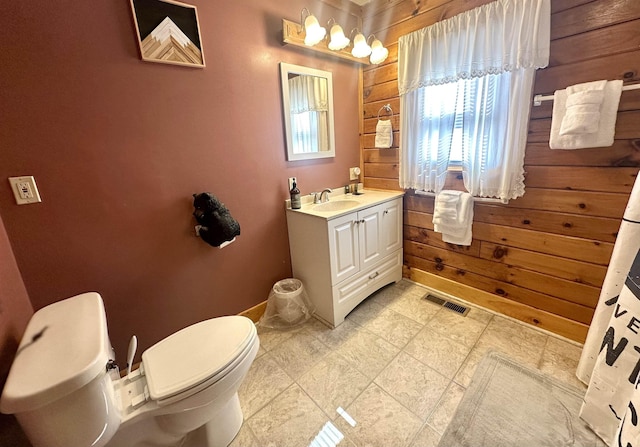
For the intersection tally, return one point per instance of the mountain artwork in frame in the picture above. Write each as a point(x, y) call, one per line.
point(168, 32)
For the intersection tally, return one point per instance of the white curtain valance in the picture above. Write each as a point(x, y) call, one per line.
point(501, 36)
point(308, 94)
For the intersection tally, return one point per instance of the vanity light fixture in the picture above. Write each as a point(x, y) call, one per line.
point(360, 46)
point(378, 52)
point(309, 34)
point(338, 39)
point(314, 33)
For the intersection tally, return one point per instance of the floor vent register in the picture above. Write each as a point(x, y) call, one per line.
point(455, 307)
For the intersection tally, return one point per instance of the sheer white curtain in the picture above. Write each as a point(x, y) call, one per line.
point(473, 71)
point(308, 97)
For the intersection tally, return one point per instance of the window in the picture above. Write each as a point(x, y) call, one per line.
point(447, 99)
point(465, 89)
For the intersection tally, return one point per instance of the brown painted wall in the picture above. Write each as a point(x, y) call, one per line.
point(15, 311)
point(118, 146)
point(541, 258)
point(15, 307)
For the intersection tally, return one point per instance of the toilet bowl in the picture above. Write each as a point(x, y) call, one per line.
point(65, 390)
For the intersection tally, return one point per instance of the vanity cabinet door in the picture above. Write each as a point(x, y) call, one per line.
point(360, 240)
point(344, 247)
point(391, 227)
point(369, 221)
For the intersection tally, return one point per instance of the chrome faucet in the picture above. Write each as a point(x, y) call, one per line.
point(326, 192)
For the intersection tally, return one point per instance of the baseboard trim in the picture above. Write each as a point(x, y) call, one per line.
point(256, 312)
point(535, 317)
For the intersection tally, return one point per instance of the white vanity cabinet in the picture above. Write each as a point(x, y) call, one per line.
point(342, 259)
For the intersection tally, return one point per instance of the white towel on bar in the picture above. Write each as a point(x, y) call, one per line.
point(453, 216)
point(384, 134)
point(584, 115)
point(582, 108)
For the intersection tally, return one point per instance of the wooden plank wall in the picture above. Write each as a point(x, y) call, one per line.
point(541, 258)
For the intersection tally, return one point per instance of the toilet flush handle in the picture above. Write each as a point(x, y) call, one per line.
point(133, 345)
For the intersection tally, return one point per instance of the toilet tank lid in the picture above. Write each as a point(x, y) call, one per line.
point(65, 346)
point(195, 353)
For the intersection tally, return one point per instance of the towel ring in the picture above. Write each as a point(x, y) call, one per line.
point(386, 107)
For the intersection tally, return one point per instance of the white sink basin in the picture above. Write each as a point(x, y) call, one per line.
point(336, 205)
point(341, 204)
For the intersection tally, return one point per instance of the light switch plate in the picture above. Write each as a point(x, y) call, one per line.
point(354, 173)
point(25, 190)
point(291, 180)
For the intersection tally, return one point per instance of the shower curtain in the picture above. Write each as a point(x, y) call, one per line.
point(610, 361)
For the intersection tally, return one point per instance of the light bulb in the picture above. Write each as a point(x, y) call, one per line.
point(338, 39)
point(378, 52)
point(314, 32)
point(360, 46)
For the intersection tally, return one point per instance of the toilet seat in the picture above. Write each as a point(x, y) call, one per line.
point(196, 357)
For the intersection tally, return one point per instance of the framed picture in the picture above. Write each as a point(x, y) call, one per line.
point(168, 32)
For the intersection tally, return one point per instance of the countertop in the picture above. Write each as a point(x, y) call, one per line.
point(367, 198)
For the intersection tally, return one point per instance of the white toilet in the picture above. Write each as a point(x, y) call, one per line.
point(65, 391)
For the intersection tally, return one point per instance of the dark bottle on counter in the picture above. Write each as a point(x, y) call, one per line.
point(295, 197)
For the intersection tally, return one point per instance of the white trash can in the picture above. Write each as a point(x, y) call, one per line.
point(288, 299)
point(288, 304)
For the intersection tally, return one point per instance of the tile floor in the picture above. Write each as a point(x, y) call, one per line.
point(398, 366)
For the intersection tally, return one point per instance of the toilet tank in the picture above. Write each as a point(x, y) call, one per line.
point(58, 386)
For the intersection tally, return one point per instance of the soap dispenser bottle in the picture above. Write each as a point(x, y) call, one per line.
point(296, 204)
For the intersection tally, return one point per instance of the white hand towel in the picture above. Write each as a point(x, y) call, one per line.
point(587, 87)
point(608, 110)
point(384, 134)
point(455, 227)
point(583, 109)
point(580, 119)
point(458, 240)
point(446, 207)
point(585, 97)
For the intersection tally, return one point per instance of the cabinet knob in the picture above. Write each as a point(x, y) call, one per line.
point(373, 275)
point(386, 212)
